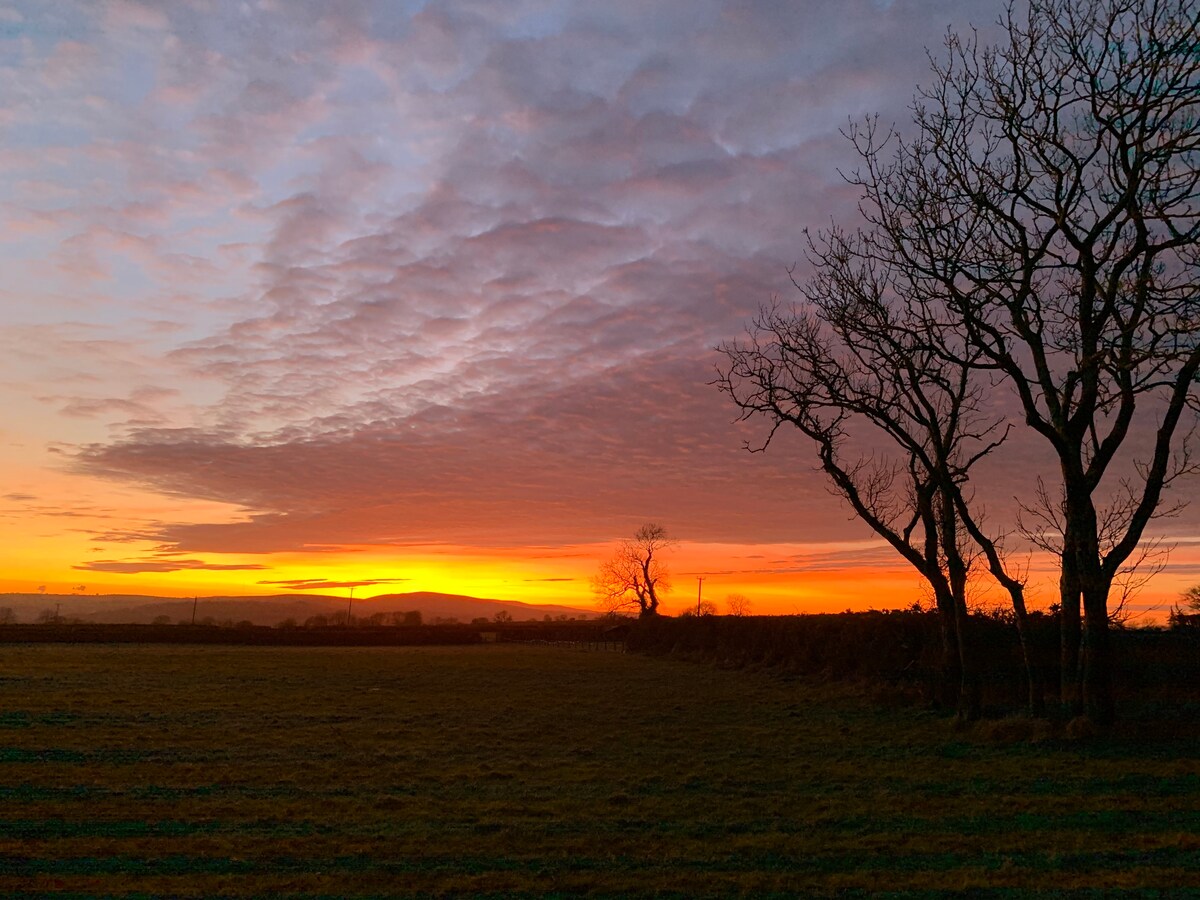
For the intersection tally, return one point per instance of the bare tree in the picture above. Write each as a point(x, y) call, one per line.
point(738, 605)
point(635, 576)
point(915, 377)
point(1049, 199)
point(1191, 598)
point(853, 365)
point(703, 608)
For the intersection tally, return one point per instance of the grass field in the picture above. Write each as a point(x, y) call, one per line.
point(506, 771)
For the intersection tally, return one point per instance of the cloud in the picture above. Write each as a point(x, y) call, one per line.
point(131, 567)
point(818, 558)
point(452, 277)
point(313, 584)
point(138, 410)
point(565, 465)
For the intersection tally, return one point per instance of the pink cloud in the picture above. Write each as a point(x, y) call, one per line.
point(134, 567)
point(317, 584)
point(561, 468)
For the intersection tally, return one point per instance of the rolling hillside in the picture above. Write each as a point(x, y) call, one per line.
point(133, 608)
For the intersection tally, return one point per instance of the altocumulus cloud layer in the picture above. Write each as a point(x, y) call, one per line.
point(398, 273)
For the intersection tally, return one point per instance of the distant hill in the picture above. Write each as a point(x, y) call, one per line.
point(269, 610)
point(465, 608)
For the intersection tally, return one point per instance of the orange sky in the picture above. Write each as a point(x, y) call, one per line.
point(51, 540)
point(49, 544)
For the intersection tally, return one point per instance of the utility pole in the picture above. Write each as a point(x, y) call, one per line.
point(699, 585)
point(350, 607)
point(195, 600)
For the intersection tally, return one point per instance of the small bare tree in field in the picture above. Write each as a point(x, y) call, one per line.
point(738, 605)
point(703, 608)
point(635, 576)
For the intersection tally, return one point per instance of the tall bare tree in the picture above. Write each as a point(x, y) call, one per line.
point(1050, 198)
point(1041, 227)
point(852, 366)
point(635, 577)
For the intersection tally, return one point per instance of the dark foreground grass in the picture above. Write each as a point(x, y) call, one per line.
point(509, 771)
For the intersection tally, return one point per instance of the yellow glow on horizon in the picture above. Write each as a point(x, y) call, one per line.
point(53, 527)
point(54, 521)
point(532, 575)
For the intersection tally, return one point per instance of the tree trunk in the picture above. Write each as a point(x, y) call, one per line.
point(969, 696)
point(1070, 695)
point(950, 677)
point(1096, 656)
point(1095, 697)
point(1016, 590)
point(1033, 673)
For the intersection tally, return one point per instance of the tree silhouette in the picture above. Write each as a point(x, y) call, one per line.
point(738, 605)
point(1191, 598)
point(1042, 224)
point(856, 365)
point(635, 576)
point(1050, 199)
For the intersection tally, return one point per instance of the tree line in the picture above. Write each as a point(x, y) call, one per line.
point(1026, 266)
point(1030, 244)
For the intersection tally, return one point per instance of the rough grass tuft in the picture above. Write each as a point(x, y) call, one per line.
point(1018, 729)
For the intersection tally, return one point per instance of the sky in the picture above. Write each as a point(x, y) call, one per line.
point(426, 295)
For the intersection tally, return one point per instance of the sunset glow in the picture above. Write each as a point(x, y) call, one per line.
point(428, 294)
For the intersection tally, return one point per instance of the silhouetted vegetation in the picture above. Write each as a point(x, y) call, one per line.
point(1187, 617)
point(316, 632)
point(902, 649)
point(635, 577)
point(1191, 598)
point(1037, 231)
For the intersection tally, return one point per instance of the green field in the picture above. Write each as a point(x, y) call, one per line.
point(506, 771)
